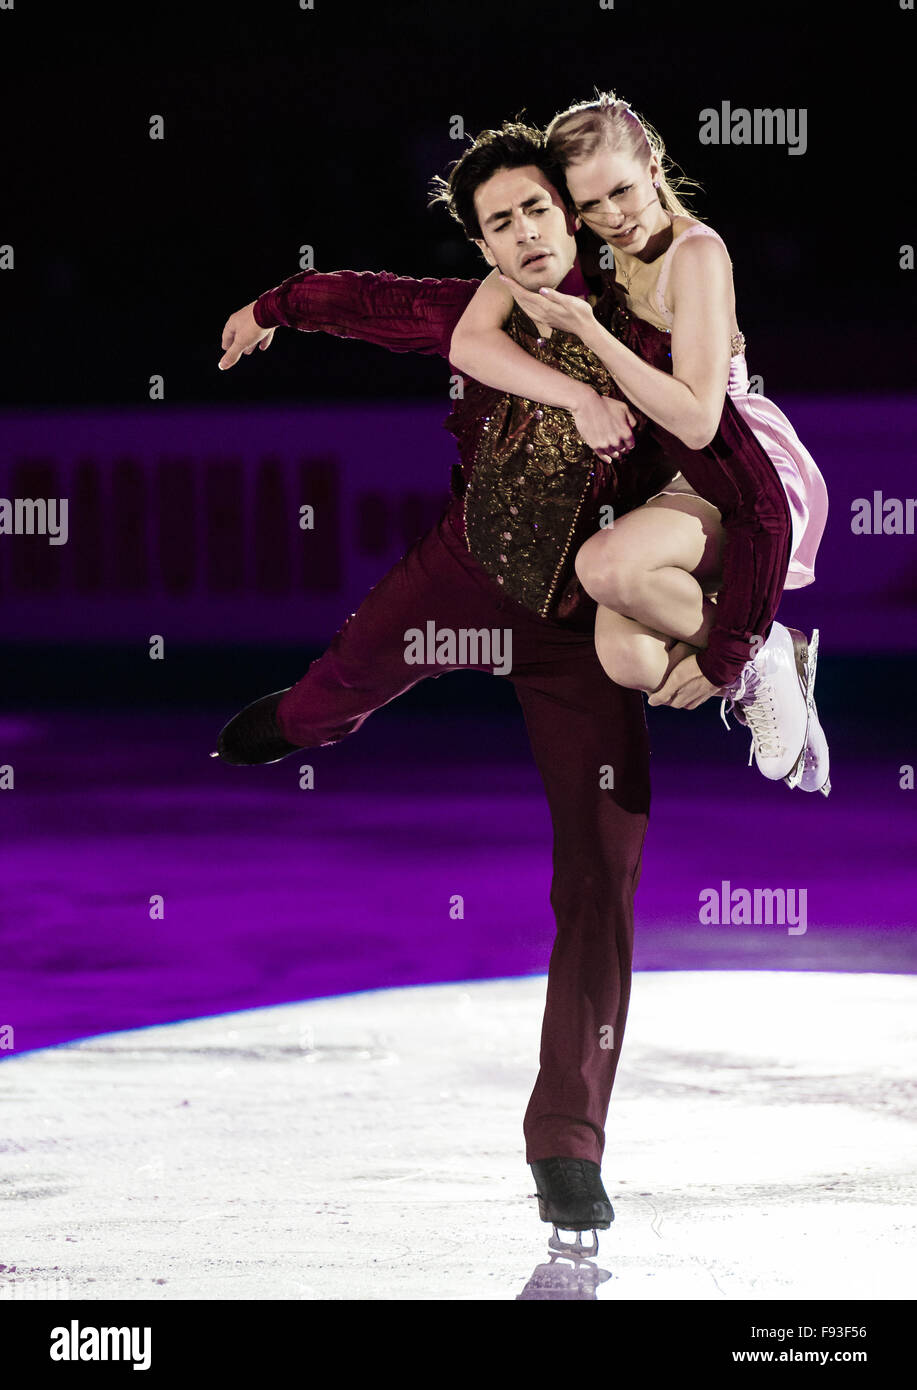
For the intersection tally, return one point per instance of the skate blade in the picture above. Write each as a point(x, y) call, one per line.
point(805, 652)
point(794, 776)
point(574, 1247)
point(806, 658)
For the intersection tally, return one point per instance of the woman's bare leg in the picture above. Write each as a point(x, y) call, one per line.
point(633, 655)
point(650, 575)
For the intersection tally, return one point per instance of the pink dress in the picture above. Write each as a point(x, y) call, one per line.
point(802, 482)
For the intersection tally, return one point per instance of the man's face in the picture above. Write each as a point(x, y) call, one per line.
point(527, 231)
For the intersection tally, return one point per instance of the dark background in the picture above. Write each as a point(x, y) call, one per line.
point(285, 127)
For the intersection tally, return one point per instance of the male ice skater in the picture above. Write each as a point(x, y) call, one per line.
point(501, 556)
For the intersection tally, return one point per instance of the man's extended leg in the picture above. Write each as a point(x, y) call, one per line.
point(365, 666)
point(590, 742)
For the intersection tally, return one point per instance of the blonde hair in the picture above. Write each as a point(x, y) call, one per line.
point(579, 131)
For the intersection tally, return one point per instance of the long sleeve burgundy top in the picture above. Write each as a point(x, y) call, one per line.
point(733, 471)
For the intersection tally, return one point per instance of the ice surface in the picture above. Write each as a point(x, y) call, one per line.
point(759, 1145)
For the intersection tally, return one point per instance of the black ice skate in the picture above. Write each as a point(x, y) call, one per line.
point(571, 1195)
point(253, 736)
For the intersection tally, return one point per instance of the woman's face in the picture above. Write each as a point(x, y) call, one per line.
point(614, 195)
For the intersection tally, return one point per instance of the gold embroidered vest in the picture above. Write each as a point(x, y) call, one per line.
point(534, 480)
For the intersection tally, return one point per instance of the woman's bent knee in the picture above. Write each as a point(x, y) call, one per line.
point(609, 573)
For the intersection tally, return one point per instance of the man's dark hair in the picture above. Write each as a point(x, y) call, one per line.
point(513, 146)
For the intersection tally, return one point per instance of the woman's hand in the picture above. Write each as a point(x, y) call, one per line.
point(605, 424)
point(563, 311)
point(685, 688)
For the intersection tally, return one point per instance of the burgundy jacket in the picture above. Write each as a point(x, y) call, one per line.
point(733, 471)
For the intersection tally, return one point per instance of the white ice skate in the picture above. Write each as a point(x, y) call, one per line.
point(769, 697)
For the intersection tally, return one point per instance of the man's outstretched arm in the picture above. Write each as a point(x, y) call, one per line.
point(399, 313)
point(393, 311)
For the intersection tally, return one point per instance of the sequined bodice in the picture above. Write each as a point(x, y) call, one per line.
point(643, 284)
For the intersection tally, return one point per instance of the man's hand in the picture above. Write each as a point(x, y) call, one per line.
point(242, 335)
point(686, 687)
point(605, 424)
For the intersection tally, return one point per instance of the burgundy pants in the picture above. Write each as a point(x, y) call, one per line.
point(579, 723)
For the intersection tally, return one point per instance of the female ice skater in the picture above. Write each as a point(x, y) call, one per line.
point(676, 352)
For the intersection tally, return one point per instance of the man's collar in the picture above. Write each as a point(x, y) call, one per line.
point(574, 282)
